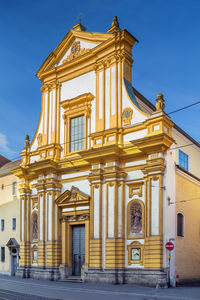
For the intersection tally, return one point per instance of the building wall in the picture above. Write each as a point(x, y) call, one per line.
point(9, 208)
point(7, 212)
point(190, 149)
point(187, 247)
point(6, 188)
point(116, 185)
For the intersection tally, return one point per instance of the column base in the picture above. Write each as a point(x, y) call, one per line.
point(65, 271)
point(152, 278)
point(51, 273)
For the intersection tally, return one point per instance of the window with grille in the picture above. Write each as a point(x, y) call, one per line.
point(180, 224)
point(183, 160)
point(77, 134)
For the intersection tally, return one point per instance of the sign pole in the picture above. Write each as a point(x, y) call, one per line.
point(168, 273)
point(169, 246)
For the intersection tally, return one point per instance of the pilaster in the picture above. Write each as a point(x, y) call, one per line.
point(25, 196)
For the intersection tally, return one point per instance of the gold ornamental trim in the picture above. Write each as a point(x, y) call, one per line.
point(75, 52)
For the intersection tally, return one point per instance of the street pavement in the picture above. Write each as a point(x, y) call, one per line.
point(14, 288)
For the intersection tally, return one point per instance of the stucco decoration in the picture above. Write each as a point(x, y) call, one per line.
point(127, 116)
point(75, 52)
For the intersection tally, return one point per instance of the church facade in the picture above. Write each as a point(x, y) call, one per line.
point(97, 175)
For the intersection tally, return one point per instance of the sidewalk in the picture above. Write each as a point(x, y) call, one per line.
point(75, 291)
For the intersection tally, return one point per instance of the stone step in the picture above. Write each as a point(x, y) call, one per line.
point(72, 279)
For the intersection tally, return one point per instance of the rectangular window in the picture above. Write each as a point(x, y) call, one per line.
point(13, 223)
point(180, 224)
point(183, 160)
point(2, 224)
point(14, 188)
point(77, 134)
point(2, 254)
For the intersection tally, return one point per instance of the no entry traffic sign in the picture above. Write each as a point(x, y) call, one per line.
point(169, 246)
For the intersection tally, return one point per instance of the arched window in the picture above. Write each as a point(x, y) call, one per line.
point(35, 226)
point(180, 224)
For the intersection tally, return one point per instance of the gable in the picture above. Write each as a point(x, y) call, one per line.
point(63, 50)
point(72, 198)
point(12, 243)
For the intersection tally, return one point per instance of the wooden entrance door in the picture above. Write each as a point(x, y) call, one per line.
point(78, 249)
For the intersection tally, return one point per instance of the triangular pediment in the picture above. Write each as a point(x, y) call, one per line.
point(67, 47)
point(12, 243)
point(72, 197)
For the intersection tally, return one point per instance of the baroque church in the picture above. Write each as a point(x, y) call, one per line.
point(97, 179)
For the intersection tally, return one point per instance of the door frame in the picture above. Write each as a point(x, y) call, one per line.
point(13, 245)
point(68, 238)
point(73, 209)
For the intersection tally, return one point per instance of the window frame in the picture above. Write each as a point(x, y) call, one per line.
point(76, 107)
point(133, 246)
point(70, 134)
point(13, 224)
point(4, 257)
point(2, 224)
point(14, 188)
point(182, 224)
point(180, 152)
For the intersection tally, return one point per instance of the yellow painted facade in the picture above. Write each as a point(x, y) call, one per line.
point(188, 246)
point(99, 167)
point(9, 210)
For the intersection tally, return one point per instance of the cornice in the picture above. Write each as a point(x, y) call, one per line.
point(187, 175)
point(154, 143)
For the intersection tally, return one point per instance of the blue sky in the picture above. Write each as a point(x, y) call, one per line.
point(166, 59)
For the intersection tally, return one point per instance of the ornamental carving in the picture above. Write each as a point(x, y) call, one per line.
point(34, 203)
point(75, 218)
point(75, 52)
point(127, 116)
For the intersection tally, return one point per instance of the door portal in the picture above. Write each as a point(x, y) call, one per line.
point(78, 249)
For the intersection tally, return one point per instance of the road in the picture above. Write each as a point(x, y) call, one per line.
point(14, 288)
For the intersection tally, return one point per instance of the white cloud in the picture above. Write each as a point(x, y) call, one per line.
point(4, 148)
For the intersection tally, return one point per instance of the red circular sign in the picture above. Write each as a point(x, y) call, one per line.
point(169, 246)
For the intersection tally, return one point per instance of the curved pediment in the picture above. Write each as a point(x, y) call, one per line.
point(73, 197)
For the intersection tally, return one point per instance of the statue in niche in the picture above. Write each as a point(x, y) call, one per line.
point(35, 226)
point(136, 218)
